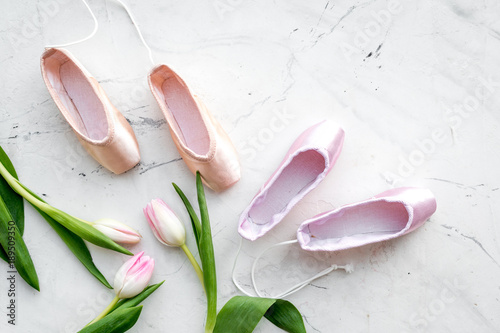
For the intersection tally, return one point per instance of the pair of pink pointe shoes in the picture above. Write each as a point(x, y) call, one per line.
point(388, 215)
point(108, 137)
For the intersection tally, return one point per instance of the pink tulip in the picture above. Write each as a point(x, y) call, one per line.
point(166, 226)
point(117, 231)
point(133, 276)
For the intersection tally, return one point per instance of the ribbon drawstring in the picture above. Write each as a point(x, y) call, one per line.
point(96, 27)
point(349, 268)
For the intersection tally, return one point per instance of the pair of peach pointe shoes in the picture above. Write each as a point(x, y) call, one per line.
point(107, 136)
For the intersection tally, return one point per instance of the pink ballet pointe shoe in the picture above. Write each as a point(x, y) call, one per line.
point(201, 141)
point(99, 126)
point(386, 216)
point(307, 162)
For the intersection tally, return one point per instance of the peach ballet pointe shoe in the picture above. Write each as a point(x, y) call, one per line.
point(201, 141)
point(306, 164)
point(99, 126)
point(388, 215)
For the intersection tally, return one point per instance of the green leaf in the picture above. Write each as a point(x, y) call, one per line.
point(13, 244)
point(13, 200)
point(3, 255)
point(195, 222)
point(119, 321)
point(241, 314)
point(77, 246)
point(207, 257)
point(285, 315)
point(79, 228)
point(131, 302)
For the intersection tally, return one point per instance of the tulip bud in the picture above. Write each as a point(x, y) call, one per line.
point(133, 276)
point(166, 226)
point(117, 231)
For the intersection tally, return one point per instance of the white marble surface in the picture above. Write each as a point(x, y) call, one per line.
point(397, 75)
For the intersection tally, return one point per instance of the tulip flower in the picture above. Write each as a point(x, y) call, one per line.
point(166, 226)
point(169, 230)
point(117, 231)
point(131, 279)
point(133, 276)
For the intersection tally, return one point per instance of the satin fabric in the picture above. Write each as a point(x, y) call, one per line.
point(324, 139)
point(99, 126)
point(217, 161)
point(388, 215)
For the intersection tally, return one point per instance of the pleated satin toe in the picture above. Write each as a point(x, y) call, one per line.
point(99, 126)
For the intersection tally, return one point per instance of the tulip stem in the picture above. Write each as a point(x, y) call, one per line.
point(105, 311)
point(19, 189)
point(193, 261)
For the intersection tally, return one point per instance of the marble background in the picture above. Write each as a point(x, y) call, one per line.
point(415, 85)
